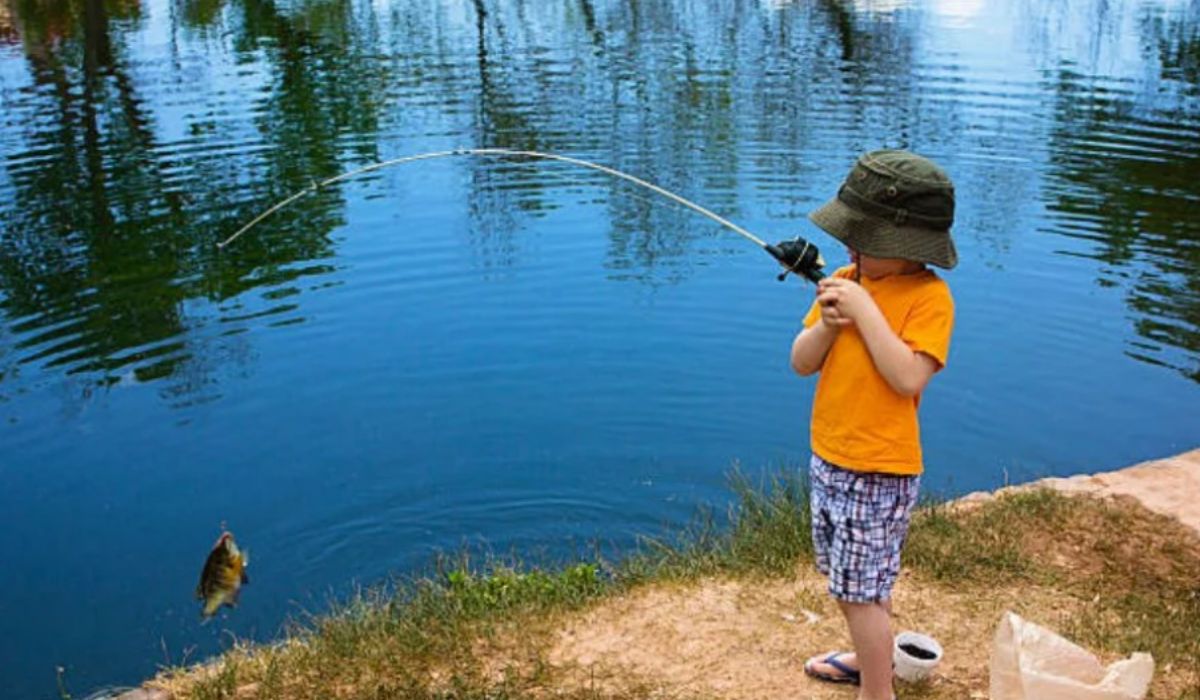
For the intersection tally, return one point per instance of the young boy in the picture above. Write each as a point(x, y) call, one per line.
point(877, 333)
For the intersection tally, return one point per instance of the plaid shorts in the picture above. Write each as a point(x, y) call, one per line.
point(859, 522)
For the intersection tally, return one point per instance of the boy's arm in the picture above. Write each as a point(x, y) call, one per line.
point(822, 325)
point(906, 370)
point(811, 346)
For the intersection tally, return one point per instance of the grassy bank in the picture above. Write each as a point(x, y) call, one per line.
point(1109, 575)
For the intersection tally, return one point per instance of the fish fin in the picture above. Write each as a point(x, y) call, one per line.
point(245, 577)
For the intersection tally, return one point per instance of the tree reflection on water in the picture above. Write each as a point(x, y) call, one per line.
point(113, 198)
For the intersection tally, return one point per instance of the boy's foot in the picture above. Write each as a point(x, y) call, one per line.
point(835, 667)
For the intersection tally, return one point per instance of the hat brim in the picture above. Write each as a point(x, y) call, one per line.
point(881, 238)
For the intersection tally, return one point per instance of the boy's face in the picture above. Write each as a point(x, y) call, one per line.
point(878, 268)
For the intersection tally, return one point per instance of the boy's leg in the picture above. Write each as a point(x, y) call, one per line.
point(828, 665)
point(865, 517)
point(849, 659)
point(871, 629)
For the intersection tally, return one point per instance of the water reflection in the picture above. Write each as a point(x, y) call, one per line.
point(87, 270)
point(108, 230)
point(1122, 177)
point(115, 189)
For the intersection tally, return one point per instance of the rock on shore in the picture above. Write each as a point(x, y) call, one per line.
point(1166, 486)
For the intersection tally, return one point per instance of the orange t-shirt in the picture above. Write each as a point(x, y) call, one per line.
point(858, 421)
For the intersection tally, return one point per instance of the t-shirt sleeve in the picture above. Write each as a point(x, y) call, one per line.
point(813, 315)
point(929, 324)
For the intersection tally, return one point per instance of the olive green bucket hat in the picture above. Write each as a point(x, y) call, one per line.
point(894, 204)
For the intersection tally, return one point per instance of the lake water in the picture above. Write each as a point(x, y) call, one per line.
point(526, 356)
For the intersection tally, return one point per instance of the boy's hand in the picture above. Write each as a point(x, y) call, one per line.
point(848, 299)
point(831, 316)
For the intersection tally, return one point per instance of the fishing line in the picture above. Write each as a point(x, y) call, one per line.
point(798, 256)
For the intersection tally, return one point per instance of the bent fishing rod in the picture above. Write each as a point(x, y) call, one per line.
point(797, 256)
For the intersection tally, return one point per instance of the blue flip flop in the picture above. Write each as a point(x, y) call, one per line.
point(846, 674)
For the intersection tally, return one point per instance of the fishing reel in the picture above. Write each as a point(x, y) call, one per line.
point(799, 257)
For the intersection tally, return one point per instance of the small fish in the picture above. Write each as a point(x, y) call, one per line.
point(223, 575)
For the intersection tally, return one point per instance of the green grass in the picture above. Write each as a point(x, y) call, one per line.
point(383, 645)
point(984, 545)
point(767, 533)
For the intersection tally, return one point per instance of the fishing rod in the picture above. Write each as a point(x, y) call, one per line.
point(797, 256)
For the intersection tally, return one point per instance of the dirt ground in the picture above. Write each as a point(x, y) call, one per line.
point(747, 640)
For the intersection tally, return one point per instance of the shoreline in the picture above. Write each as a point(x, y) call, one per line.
point(1163, 487)
point(1168, 486)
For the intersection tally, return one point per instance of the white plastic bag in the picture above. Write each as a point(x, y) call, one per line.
point(1032, 663)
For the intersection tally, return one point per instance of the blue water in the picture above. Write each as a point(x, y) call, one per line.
point(524, 356)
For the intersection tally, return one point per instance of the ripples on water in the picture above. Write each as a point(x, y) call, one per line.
point(526, 354)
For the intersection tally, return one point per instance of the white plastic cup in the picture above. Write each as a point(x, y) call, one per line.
point(911, 667)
